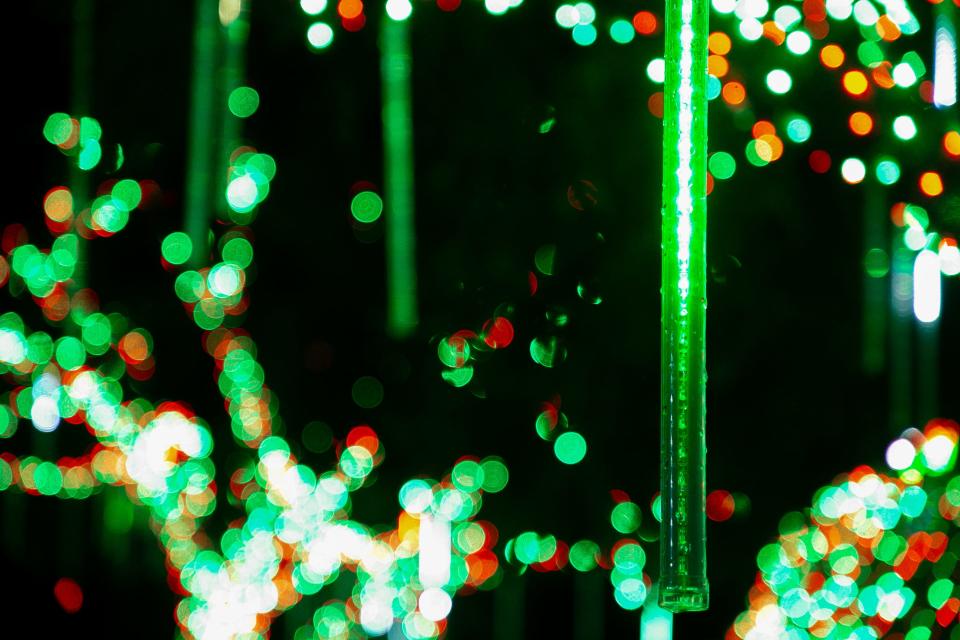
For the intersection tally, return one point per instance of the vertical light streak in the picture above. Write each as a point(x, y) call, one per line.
point(901, 360)
point(945, 58)
point(80, 77)
point(200, 177)
point(684, 302)
point(434, 568)
point(655, 623)
point(397, 117)
point(874, 314)
point(235, 18)
point(926, 286)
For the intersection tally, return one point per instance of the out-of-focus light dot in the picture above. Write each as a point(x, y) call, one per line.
point(583, 555)
point(904, 127)
point(243, 101)
point(751, 29)
point(722, 165)
point(786, 16)
point(900, 454)
point(937, 452)
point(779, 81)
point(586, 12)
point(68, 594)
point(713, 87)
point(840, 9)
point(176, 248)
point(435, 604)
point(855, 83)
point(799, 129)
point(224, 280)
point(720, 505)
point(719, 43)
point(853, 170)
point(798, 43)
point(904, 75)
point(584, 34)
point(622, 32)
point(949, 259)
point(832, 56)
point(931, 184)
point(366, 206)
point(645, 23)
point(888, 172)
point(570, 447)
point(876, 263)
point(724, 6)
point(319, 35)
point(242, 193)
point(495, 475)
point(860, 123)
point(367, 392)
point(625, 517)
point(45, 414)
point(915, 238)
point(496, 7)
point(399, 9)
point(951, 143)
point(734, 93)
point(567, 16)
point(313, 7)
point(656, 69)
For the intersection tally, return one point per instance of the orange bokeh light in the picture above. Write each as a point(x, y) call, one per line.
point(931, 184)
point(832, 56)
point(734, 93)
point(855, 83)
point(860, 123)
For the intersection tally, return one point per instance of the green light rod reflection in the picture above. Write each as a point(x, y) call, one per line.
point(683, 563)
point(398, 177)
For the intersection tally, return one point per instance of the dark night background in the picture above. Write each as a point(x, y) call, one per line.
point(788, 404)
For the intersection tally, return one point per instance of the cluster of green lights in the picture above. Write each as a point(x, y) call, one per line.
point(248, 184)
point(458, 351)
point(875, 554)
point(78, 138)
point(552, 425)
point(216, 292)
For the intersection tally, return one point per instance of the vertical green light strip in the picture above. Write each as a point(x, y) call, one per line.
point(874, 281)
point(398, 178)
point(901, 319)
point(200, 178)
point(683, 563)
point(236, 32)
point(81, 62)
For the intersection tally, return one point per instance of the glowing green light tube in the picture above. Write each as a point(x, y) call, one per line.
point(683, 562)
point(398, 177)
point(198, 196)
point(80, 78)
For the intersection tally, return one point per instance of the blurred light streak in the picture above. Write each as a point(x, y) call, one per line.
point(655, 623)
point(874, 284)
point(926, 286)
point(200, 175)
point(945, 58)
point(398, 177)
point(434, 569)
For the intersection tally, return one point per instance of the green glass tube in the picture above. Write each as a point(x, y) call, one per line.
point(398, 177)
point(81, 62)
point(232, 71)
point(200, 177)
point(683, 563)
